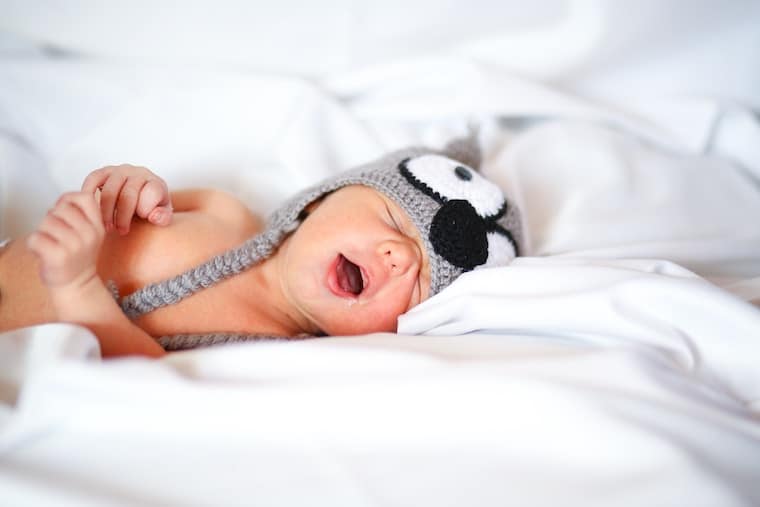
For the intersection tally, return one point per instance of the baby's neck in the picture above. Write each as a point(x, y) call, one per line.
point(264, 297)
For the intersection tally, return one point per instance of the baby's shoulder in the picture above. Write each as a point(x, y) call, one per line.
point(218, 204)
point(213, 218)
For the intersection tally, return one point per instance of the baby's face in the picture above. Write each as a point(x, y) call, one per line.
point(355, 264)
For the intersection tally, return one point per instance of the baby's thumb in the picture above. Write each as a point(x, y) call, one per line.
point(162, 215)
point(154, 203)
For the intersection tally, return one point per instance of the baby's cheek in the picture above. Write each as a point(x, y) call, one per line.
point(382, 318)
point(385, 323)
point(356, 320)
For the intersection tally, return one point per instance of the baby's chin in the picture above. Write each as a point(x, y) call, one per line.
point(358, 325)
point(334, 316)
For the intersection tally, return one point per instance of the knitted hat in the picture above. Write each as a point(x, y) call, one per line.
point(463, 219)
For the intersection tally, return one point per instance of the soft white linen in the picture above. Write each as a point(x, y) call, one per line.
point(628, 55)
point(651, 305)
point(595, 372)
point(380, 420)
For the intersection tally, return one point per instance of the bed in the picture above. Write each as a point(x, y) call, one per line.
point(616, 363)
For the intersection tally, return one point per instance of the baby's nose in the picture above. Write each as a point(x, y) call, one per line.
point(398, 256)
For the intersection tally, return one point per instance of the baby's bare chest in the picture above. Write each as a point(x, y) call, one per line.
point(149, 254)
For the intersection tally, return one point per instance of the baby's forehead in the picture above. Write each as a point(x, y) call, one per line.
point(372, 194)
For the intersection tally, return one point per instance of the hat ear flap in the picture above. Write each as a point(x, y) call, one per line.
point(465, 149)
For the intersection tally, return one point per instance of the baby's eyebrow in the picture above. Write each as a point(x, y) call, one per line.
point(404, 224)
point(391, 215)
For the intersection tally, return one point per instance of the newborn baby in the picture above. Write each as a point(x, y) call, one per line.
point(347, 256)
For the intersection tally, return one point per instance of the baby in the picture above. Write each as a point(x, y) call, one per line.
point(345, 257)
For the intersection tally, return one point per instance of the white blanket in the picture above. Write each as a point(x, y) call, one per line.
point(614, 365)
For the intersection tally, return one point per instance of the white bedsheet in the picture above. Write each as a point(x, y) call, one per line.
point(615, 365)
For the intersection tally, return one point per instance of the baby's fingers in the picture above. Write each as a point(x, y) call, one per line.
point(74, 214)
point(87, 204)
point(126, 191)
point(41, 243)
point(51, 255)
point(68, 239)
point(126, 204)
point(109, 196)
point(96, 179)
point(155, 203)
point(58, 230)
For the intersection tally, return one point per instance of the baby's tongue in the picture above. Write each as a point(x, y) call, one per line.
point(349, 276)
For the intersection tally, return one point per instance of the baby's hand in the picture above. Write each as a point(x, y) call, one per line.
point(68, 240)
point(126, 191)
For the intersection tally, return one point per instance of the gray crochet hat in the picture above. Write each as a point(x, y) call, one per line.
point(463, 219)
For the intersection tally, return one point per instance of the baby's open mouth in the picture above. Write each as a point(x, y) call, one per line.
point(349, 276)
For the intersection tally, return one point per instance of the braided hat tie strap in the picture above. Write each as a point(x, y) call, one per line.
point(193, 341)
point(209, 273)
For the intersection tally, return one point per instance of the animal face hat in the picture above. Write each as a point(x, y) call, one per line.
point(463, 219)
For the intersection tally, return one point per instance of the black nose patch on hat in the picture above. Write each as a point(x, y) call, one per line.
point(459, 232)
point(459, 235)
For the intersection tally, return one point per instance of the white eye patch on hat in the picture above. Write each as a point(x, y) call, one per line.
point(465, 230)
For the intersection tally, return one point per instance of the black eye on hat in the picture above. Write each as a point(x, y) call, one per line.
point(463, 173)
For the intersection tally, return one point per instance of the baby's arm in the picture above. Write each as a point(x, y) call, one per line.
point(67, 243)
